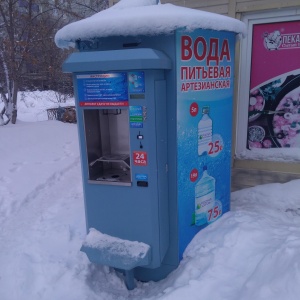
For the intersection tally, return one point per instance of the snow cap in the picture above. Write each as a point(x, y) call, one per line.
point(143, 17)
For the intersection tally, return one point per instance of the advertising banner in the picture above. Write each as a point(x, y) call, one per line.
point(205, 66)
point(274, 98)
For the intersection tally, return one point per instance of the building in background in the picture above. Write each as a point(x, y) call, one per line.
point(266, 133)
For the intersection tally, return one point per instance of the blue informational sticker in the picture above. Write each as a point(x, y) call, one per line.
point(103, 89)
point(141, 177)
point(205, 66)
point(136, 82)
point(136, 116)
point(135, 110)
point(136, 125)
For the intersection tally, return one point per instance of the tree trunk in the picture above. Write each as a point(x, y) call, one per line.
point(2, 113)
point(14, 103)
point(14, 116)
point(10, 104)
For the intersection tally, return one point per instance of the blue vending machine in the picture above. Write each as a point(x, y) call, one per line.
point(123, 140)
point(154, 118)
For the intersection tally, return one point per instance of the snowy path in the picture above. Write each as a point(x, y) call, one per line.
point(27, 241)
point(250, 253)
point(41, 212)
point(42, 219)
point(30, 154)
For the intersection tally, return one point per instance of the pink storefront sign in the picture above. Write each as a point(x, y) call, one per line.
point(274, 98)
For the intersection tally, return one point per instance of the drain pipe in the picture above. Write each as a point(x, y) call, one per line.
point(129, 279)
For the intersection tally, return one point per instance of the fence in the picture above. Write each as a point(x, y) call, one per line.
point(64, 114)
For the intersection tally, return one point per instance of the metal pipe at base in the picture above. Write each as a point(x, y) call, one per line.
point(129, 279)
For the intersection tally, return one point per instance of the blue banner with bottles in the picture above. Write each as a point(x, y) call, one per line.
point(205, 69)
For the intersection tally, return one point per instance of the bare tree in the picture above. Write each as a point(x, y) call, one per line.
point(21, 29)
point(27, 50)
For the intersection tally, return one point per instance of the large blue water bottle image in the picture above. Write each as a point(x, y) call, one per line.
point(204, 197)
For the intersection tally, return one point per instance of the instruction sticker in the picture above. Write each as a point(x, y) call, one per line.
point(103, 89)
point(141, 177)
point(136, 82)
point(136, 116)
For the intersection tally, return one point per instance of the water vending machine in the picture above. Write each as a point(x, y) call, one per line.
point(121, 121)
point(154, 115)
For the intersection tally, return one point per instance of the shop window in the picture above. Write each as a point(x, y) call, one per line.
point(269, 86)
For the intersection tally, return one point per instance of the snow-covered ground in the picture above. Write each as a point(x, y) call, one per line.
point(32, 106)
point(251, 253)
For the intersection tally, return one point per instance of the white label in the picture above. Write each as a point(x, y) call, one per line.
point(204, 203)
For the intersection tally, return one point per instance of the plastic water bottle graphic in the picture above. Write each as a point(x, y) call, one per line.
point(204, 131)
point(204, 197)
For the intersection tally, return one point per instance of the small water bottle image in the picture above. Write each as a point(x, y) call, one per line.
point(204, 197)
point(204, 131)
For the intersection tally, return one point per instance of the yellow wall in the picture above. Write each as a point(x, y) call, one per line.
point(234, 7)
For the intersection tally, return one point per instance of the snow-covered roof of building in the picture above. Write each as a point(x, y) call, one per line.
point(143, 17)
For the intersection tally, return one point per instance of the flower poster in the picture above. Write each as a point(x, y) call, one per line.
point(274, 98)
